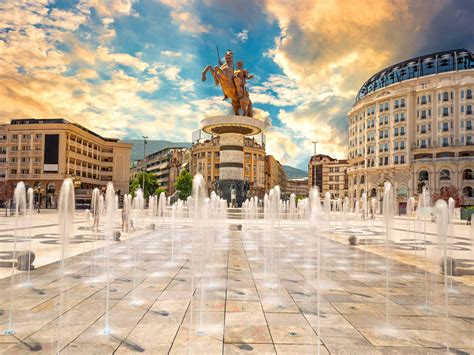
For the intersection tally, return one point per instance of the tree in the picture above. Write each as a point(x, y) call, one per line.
point(159, 190)
point(137, 182)
point(449, 191)
point(184, 183)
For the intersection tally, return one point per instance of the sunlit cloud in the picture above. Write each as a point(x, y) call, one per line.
point(110, 66)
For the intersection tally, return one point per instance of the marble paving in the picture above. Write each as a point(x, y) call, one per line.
point(231, 291)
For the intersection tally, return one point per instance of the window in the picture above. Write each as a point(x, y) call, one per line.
point(468, 94)
point(445, 96)
point(445, 175)
point(445, 111)
point(469, 110)
point(467, 191)
point(402, 103)
point(423, 100)
point(423, 175)
point(445, 127)
point(467, 174)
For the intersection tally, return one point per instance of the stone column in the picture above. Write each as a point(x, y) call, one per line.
point(231, 166)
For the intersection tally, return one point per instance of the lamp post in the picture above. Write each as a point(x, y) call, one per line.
point(314, 163)
point(144, 163)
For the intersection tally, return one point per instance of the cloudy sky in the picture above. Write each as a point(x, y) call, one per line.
point(125, 68)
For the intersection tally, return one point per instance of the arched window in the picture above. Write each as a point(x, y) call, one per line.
point(355, 180)
point(445, 175)
point(402, 191)
point(362, 179)
point(373, 192)
point(467, 192)
point(423, 175)
point(467, 174)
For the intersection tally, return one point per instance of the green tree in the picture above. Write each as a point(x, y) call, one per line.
point(159, 190)
point(137, 182)
point(184, 183)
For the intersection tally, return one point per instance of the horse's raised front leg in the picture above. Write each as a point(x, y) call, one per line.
point(204, 72)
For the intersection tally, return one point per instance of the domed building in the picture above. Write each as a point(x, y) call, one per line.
point(412, 124)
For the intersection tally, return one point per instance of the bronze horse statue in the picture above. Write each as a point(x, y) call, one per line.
point(233, 86)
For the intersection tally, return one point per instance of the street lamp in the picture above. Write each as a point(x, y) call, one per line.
point(144, 164)
point(314, 163)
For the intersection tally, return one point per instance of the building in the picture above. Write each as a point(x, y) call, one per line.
point(205, 158)
point(166, 165)
point(329, 175)
point(43, 152)
point(412, 125)
point(275, 175)
point(299, 187)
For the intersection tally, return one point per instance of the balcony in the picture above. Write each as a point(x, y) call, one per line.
point(468, 128)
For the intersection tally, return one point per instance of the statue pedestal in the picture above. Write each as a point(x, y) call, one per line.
point(231, 131)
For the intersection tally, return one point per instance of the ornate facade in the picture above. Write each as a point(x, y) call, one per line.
point(412, 124)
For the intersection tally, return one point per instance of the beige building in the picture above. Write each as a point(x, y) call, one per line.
point(412, 125)
point(205, 159)
point(43, 152)
point(166, 165)
point(329, 174)
point(299, 187)
point(275, 175)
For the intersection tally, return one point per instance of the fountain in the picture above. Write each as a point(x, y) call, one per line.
point(66, 208)
point(20, 208)
point(388, 213)
point(287, 259)
point(110, 208)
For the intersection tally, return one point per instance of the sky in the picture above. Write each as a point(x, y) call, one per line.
point(128, 68)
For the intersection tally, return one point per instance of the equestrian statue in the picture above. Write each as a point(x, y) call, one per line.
point(232, 82)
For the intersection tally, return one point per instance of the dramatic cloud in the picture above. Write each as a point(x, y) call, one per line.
point(183, 15)
point(328, 49)
point(129, 67)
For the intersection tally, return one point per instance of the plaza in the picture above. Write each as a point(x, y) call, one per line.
point(259, 291)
